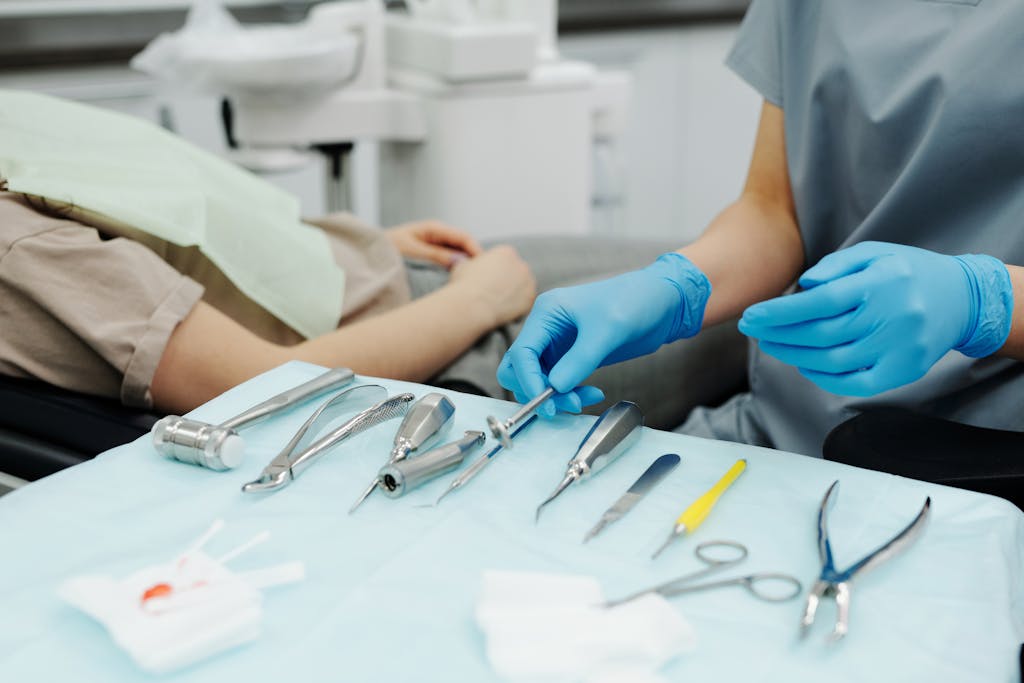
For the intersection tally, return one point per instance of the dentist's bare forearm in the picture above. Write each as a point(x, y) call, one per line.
point(750, 252)
point(753, 249)
point(1014, 346)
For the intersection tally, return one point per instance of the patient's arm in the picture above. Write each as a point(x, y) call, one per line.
point(433, 241)
point(209, 353)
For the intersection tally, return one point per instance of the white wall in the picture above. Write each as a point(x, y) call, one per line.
point(691, 128)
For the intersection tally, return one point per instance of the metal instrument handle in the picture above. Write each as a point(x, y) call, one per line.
point(529, 407)
point(332, 379)
point(411, 473)
point(427, 418)
point(456, 450)
point(754, 583)
point(610, 436)
point(709, 553)
point(329, 411)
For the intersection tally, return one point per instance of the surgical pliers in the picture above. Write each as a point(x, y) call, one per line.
point(305, 448)
point(834, 583)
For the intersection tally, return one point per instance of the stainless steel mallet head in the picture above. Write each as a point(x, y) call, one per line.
point(219, 447)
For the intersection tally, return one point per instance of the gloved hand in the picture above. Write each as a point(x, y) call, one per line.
point(573, 331)
point(877, 316)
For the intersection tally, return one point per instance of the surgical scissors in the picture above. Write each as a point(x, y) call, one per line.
point(718, 555)
point(834, 583)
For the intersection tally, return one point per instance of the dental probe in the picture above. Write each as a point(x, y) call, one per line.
point(426, 418)
point(481, 462)
point(609, 437)
point(500, 430)
point(694, 515)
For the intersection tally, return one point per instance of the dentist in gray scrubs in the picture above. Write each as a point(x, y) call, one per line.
point(874, 253)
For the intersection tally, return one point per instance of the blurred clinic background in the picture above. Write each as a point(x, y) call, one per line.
point(668, 151)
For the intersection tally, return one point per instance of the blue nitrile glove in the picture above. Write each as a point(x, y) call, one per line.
point(574, 330)
point(877, 316)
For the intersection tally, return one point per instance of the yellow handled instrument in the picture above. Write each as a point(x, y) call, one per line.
point(699, 509)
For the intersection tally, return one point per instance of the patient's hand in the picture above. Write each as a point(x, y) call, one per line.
point(500, 280)
point(433, 241)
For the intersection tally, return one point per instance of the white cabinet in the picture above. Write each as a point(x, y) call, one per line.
point(691, 126)
point(683, 155)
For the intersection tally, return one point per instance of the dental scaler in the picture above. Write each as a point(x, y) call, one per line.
point(612, 435)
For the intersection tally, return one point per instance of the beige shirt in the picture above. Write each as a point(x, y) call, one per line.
point(89, 305)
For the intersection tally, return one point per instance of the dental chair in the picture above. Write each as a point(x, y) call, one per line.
point(898, 441)
point(44, 429)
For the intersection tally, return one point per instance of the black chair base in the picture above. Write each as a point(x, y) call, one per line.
point(901, 442)
point(44, 429)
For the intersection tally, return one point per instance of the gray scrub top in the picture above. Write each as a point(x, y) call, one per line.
point(904, 123)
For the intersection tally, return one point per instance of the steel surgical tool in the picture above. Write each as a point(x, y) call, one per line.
point(718, 555)
point(304, 448)
point(834, 583)
point(425, 419)
point(658, 470)
point(502, 431)
point(398, 478)
point(482, 462)
point(219, 447)
point(610, 436)
point(698, 511)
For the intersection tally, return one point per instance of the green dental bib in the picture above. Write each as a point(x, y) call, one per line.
point(139, 175)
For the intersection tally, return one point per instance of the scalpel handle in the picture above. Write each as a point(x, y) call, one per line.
point(700, 508)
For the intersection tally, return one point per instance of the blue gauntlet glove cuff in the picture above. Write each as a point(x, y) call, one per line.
point(991, 304)
point(693, 287)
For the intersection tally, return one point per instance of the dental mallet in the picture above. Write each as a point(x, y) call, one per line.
point(218, 446)
point(503, 431)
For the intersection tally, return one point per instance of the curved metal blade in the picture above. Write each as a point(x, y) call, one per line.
point(658, 470)
point(563, 485)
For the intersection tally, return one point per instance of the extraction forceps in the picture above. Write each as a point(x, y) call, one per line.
point(834, 583)
point(609, 437)
point(427, 418)
point(718, 555)
point(302, 451)
point(480, 463)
